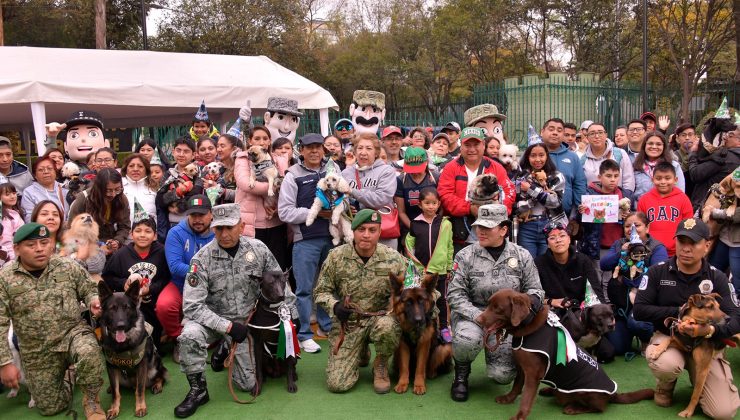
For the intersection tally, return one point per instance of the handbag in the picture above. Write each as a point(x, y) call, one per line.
point(390, 228)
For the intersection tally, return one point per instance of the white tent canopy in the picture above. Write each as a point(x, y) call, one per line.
point(142, 88)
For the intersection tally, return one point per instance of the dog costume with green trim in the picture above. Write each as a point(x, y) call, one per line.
point(574, 369)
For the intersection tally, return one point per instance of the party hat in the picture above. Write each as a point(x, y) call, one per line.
point(202, 114)
point(634, 237)
point(533, 137)
point(412, 278)
point(155, 160)
point(139, 213)
point(723, 111)
point(236, 128)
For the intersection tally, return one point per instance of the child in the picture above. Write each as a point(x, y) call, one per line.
point(429, 246)
point(600, 236)
point(143, 256)
point(539, 198)
point(12, 216)
point(665, 205)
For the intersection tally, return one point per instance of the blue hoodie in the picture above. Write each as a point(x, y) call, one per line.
point(181, 244)
point(569, 165)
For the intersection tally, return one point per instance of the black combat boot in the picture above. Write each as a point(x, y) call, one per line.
point(459, 389)
point(197, 396)
point(219, 356)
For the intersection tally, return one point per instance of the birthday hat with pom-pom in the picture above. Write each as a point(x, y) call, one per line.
point(532, 136)
point(202, 113)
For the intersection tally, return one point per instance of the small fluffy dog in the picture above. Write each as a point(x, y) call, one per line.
point(13, 344)
point(211, 173)
point(331, 194)
point(484, 190)
point(80, 241)
point(721, 196)
point(507, 154)
point(263, 168)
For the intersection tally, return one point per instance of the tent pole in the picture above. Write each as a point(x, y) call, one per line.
point(324, 121)
point(38, 111)
point(26, 140)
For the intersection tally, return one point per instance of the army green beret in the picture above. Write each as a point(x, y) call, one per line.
point(31, 231)
point(365, 216)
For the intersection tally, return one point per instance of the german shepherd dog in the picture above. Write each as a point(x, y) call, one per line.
point(130, 355)
point(264, 327)
point(420, 351)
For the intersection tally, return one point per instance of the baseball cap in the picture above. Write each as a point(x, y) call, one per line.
point(452, 125)
point(648, 116)
point(311, 138)
point(199, 204)
point(4, 141)
point(415, 160)
point(343, 122)
point(586, 124)
point(694, 229)
point(226, 215)
point(390, 130)
point(472, 133)
point(441, 135)
point(30, 231)
point(491, 215)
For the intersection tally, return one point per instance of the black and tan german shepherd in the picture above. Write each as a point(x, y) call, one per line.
point(130, 355)
point(420, 352)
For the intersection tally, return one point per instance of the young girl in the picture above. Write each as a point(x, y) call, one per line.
point(618, 289)
point(429, 246)
point(12, 220)
point(539, 198)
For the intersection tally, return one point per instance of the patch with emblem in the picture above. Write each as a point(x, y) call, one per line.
point(512, 263)
point(733, 295)
point(192, 278)
point(706, 286)
point(689, 224)
point(643, 283)
point(250, 256)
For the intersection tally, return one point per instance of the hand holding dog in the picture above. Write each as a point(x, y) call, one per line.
point(10, 375)
point(238, 332)
point(95, 308)
point(692, 329)
point(341, 311)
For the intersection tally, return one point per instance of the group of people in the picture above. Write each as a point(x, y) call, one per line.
point(204, 239)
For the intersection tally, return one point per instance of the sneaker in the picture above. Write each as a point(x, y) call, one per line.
point(310, 346)
point(446, 336)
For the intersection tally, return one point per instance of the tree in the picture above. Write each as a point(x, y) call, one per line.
point(693, 32)
point(100, 26)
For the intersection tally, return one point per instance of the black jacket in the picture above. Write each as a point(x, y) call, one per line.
point(663, 290)
point(708, 170)
point(569, 280)
point(126, 261)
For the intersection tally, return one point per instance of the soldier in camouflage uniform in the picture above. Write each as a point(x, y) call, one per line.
point(40, 294)
point(479, 271)
point(360, 270)
point(220, 292)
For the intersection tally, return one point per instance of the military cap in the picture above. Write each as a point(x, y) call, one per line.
point(226, 215)
point(694, 229)
point(30, 231)
point(369, 98)
point(365, 216)
point(283, 105)
point(479, 112)
point(491, 215)
point(85, 117)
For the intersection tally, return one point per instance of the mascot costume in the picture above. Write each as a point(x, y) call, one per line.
point(367, 111)
point(486, 116)
point(84, 136)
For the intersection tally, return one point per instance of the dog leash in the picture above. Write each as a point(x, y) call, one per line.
point(230, 364)
point(344, 326)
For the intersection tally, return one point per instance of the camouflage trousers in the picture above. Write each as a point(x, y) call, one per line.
point(467, 342)
point(342, 370)
point(45, 370)
point(194, 341)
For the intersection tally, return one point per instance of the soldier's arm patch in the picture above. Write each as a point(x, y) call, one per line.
point(192, 277)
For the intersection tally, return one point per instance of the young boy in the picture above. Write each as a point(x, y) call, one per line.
point(143, 256)
point(601, 236)
point(665, 206)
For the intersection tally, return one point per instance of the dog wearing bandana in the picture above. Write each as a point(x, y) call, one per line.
point(332, 193)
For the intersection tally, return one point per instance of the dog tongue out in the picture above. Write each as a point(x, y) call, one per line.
point(120, 336)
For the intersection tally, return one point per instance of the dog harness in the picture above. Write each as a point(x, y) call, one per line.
point(580, 373)
point(261, 167)
point(329, 202)
point(129, 359)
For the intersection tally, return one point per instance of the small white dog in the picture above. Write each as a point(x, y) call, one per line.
point(263, 168)
point(331, 195)
point(17, 362)
point(507, 154)
point(212, 172)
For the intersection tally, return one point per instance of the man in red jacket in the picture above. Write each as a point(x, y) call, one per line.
point(456, 179)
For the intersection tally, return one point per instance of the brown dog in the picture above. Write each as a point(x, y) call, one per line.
point(720, 196)
point(413, 308)
point(700, 309)
point(511, 312)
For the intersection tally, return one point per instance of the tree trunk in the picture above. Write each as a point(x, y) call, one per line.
point(100, 42)
point(687, 90)
point(2, 33)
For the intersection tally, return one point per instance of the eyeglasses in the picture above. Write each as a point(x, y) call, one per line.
point(635, 130)
point(44, 169)
point(596, 133)
point(108, 160)
point(114, 192)
point(344, 127)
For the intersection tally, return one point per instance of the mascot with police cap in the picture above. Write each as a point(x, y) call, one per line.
point(84, 135)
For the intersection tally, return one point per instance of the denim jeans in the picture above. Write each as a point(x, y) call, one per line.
point(531, 237)
point(724, 256)
point(626, 329)
point(308, 256)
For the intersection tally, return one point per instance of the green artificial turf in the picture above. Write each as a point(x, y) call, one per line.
point(313, 401)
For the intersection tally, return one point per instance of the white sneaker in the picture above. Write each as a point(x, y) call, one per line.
point(310, 346)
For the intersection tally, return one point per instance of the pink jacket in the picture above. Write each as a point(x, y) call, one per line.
point(252, 200)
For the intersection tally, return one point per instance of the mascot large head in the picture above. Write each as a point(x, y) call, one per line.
point(367, 111)
point(282, 118)
point(486, 116)
point(84, 135)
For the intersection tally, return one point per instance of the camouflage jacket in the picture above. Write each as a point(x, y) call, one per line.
point(476, 276)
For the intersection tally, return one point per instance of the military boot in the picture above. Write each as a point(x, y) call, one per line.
point(91, 404)
point(664, 393)
point(381, 381)
point(218, 357)
point(197, 396)
point(459, 389)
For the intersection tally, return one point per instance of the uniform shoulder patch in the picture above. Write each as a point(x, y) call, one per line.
point(643, 283)
point(192, 277)
point(733, 295)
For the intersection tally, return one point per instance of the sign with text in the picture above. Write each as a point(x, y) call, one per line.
point(600, 208)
